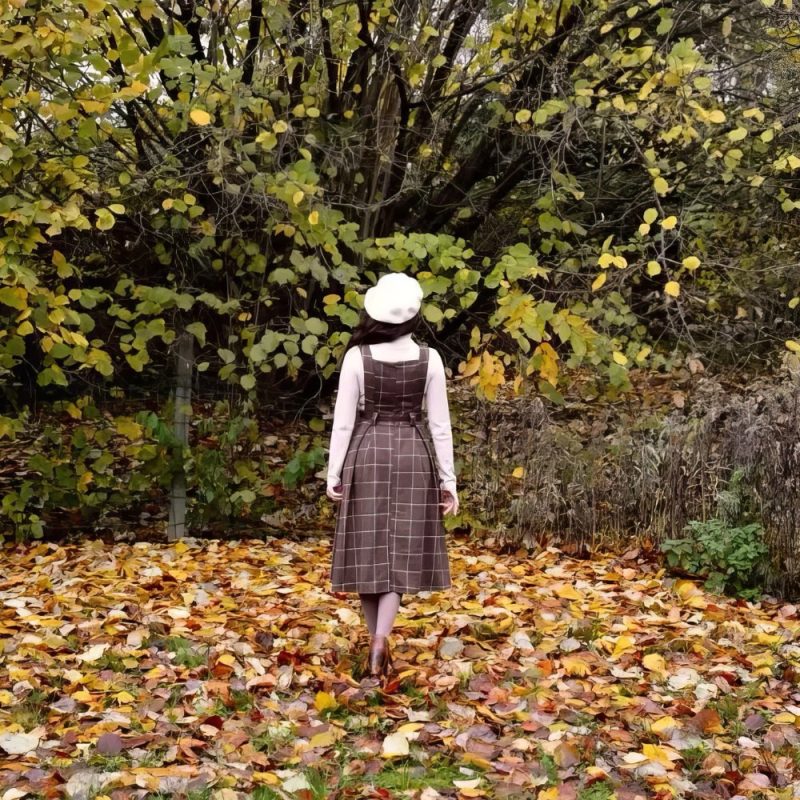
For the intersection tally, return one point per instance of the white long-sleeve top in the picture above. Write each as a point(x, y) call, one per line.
point(350, 398)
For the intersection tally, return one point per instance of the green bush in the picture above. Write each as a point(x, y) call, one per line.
point(729, 558)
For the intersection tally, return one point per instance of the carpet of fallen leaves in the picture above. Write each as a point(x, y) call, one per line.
point(228, 670)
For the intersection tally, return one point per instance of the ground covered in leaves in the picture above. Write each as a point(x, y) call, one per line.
point(227, 670)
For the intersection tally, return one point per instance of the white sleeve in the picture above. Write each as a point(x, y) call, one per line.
point(439, 420)
point(344, 413)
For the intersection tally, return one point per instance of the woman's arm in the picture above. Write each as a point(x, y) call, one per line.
point(344, 414)
point(439, 420)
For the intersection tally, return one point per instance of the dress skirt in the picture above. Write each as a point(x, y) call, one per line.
point(389, 531)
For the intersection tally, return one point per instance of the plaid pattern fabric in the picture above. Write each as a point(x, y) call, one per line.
point(389, 532)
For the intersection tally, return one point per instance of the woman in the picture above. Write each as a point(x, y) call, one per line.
point(392, 487)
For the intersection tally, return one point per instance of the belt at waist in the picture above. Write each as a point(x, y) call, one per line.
point(397, 416)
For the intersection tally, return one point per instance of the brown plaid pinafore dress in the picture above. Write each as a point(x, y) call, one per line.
point(389, 532)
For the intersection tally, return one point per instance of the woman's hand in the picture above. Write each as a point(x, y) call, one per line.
point(449, 502)
point(335, 493)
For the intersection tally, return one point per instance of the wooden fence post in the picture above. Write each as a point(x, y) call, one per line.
point(183, 397)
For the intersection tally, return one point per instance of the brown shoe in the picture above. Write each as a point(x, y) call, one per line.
point(378, 651)
point(387, 664)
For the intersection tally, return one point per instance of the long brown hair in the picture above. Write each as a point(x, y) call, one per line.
point(372, 331)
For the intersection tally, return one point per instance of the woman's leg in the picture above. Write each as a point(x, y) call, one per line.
point(388, 605)
point(369, 605)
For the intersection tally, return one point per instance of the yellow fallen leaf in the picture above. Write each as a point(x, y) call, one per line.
point(324, 700)
point(471, 758)
point(634, 758)
point(568, 592)
point(654, 662)
point(574, 665)
point(324, 739)
point(267, 778)
point(663, 725)
point(410, 727)
point(395, 744)
point(685, 589)
point(661, 754)
point(623, 644)
point(93, 653)
point(518, 472)
point(792, 345)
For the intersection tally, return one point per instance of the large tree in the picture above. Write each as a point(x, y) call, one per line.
point(569, 179)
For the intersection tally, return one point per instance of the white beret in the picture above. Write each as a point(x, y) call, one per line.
point(396, 297)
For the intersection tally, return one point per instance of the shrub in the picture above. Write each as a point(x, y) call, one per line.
point(729, 558)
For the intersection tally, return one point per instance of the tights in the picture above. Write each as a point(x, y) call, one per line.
point(380, 611)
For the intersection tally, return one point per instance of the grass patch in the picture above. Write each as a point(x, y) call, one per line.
point(265, 793)
point(110, 660)
point(601, 790)
point(32, 711)
point(186, 654)
point(549, 766)
point(693, 758)
point(106, 763)
point(272, 739)
point(243, 700)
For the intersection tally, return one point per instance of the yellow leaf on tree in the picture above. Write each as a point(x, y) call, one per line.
point(199, 116)
point(523, 115)
point(599, 281)
point(620, 358)
point(650, 216)
point(653, 268)
point(672, 288)
point(793, 302)
point(605, 260)
point(298, 196)
point(716, 116)
point(691, 262)
point(280, 126)
point(313, 217)
point(669, 222)
point(660, 185)
point(792, 345)
point(644, 229)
